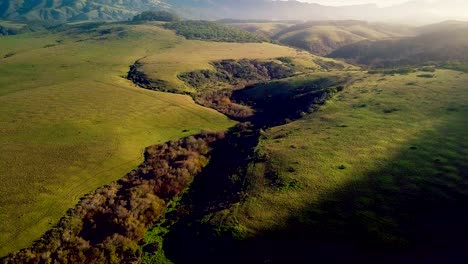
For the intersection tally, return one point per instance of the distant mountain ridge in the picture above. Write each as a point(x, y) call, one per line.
point(74, 10)
point(323, 37)
point(437, 43)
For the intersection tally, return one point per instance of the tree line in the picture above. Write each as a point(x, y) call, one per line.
point(206, 30)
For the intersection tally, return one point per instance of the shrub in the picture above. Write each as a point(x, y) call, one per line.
point(10, 54)
point(156, 16)
point(329, 65)
point(428, 69)
point(231, 72)
point(286, 60)
point(220, 100)
point(391, 110)
point(426, 75)
point(401, 71)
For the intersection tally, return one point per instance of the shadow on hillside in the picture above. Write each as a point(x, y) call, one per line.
point(223, 182)
point(412, 214)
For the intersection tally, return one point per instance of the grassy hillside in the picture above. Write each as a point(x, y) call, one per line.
point(264, 29)
point(380, 165)
point(71, 122)
point(323, 37)
point(198, 55)
point(80, 124)
point(376, 175)
point(435, 43)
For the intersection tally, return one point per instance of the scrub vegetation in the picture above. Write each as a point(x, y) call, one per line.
point(376, 174)
point(206, 30)
point(71, 123)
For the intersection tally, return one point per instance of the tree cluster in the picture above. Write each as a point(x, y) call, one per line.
point(220, 100)
point(236, 73)
point(206, 30)
point(393, 71)
point(164, 16)
point(107, 226)
point(138, 77)
point(211, 85)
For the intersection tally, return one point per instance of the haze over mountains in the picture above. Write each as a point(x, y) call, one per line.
point(417, 11)
point(442, 42)
point(323, 37)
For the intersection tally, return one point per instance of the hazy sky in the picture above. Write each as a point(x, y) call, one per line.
point(437, 9)
point(353, 2)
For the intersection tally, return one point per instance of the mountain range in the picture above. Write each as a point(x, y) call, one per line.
point(438, 43)
point(416, 11)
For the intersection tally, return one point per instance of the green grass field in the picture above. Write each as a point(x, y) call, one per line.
point(70, 123)
point(198, 55)
point(386, 146)
point(379, 148)
point(317, 35)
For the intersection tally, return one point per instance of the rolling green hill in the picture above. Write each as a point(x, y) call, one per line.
point(437, 43)
point(324, 37)
point(72, 123)
point(265, 29)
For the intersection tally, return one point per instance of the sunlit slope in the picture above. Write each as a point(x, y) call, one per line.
point(436, 43)
point(263, 28)
point(323, 37)
point(71, 123)
point(385, 163)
